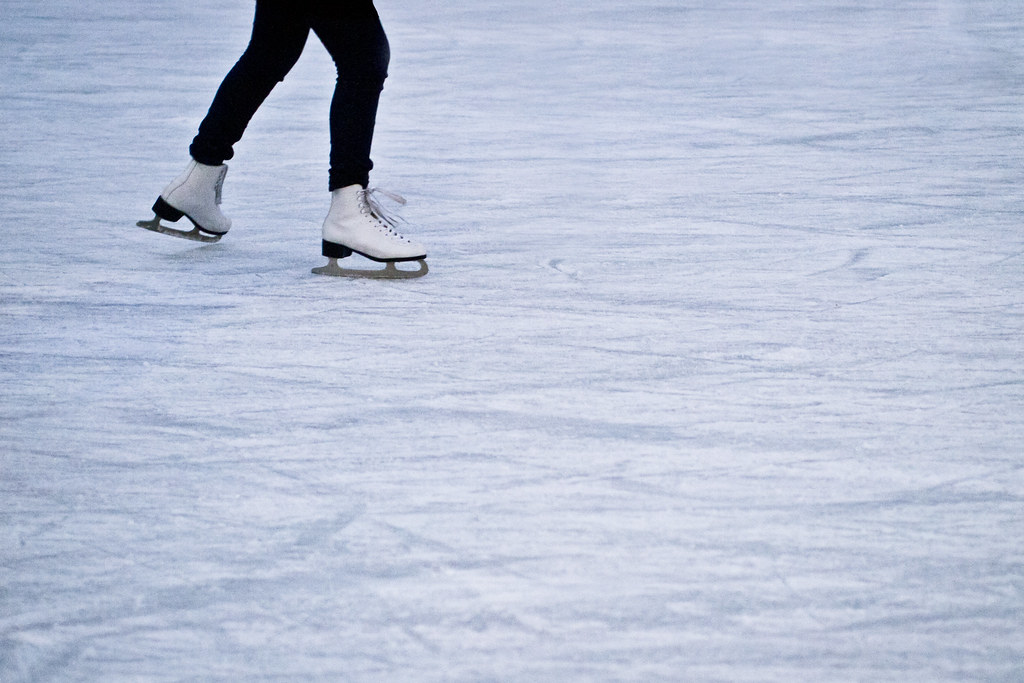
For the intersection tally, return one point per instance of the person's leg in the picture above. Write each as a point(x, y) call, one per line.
point(279, 33)
point(352, 33)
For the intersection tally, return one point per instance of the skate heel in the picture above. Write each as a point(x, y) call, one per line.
point(166, 211)
point(332, 250)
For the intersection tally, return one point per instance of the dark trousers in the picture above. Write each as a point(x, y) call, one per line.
point(352, 33)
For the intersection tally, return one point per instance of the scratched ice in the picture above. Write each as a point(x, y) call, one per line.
point(717, 374)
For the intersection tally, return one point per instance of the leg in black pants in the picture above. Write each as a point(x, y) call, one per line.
point(355, 39)
point(352, 33)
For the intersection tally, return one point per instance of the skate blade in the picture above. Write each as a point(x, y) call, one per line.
point(389, 272)
point(194, 234)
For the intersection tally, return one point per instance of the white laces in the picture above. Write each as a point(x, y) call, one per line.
point(369, 203)
point(219, 185)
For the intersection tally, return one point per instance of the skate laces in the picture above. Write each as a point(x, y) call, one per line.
point(390, 221)
point(219, 185)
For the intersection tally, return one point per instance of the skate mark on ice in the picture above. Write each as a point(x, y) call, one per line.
point(34, 660)
point(412, 539)
point(566, 426)
point(316, 534)
point(429, 645)
point(502, 620)
point(1010, 257)
point(558, 266)
point(200, 253)
point(850, 264)
point(854, 139)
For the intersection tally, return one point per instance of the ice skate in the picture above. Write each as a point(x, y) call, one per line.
point(356, 223)
point(196, 195)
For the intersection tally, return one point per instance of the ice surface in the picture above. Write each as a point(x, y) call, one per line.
point(717, 374)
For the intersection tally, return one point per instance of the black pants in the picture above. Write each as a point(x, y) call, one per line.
point(352, 33)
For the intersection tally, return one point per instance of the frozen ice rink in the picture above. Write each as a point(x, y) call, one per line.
point(718, 374)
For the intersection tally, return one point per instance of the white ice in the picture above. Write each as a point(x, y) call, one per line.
point(718, 373)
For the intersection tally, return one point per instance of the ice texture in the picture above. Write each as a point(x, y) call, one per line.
point(718, 373)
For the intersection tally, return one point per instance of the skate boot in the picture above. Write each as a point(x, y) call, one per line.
point(194, 194)
point(357, 223)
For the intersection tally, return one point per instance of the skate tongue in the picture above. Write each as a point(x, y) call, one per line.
point(218, 187)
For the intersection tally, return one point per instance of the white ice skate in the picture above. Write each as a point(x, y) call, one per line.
point(195, 194)
point(356, 223)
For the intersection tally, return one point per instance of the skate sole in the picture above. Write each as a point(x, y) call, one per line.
point(161, 209)
point(389, 272)
point(194, 234)
point(334, 251)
